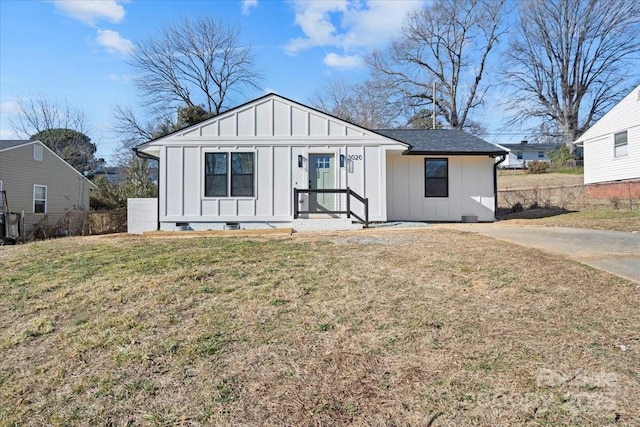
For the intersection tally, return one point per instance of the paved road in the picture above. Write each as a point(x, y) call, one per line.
point(613, 251)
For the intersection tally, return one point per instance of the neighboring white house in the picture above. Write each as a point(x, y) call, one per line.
point(612, 150)
point(252, 166)
point(520, 155)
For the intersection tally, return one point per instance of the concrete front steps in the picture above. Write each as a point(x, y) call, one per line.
point(324, 224)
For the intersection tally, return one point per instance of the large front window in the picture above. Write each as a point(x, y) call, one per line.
point(229, 174)
point(436, 178)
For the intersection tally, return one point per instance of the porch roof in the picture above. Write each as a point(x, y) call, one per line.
point(441, 142)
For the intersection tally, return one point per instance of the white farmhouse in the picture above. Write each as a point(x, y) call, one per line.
point(273, 162)
point(612, 151)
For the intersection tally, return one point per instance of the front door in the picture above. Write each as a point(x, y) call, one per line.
point(321, 176)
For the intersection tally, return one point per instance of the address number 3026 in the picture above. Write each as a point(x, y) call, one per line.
point(354, 156)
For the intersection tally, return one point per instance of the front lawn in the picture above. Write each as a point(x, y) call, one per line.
point(378, 327)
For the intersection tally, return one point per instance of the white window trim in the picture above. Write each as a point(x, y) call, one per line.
point(229, 197)
point(46, 196)
point(626, 144)
point(37, 152)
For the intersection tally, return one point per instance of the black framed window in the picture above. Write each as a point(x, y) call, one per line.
point(229, 174)
point(242, 174)
point(215, 174)
point(436, 177)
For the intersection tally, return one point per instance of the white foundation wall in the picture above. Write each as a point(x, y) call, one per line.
point(471, 189)
point(142, 215)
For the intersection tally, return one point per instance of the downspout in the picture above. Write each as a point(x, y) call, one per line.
point(146, 156)
point(495, 183)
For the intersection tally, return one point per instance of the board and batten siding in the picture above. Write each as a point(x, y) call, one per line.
point(19, 172)
point(471, 190)
point(600, 164)
point(277, 132)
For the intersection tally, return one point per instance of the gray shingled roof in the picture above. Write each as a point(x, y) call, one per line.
point(441, 141)
point(8, 143)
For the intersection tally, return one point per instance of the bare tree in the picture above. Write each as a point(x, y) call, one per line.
point(193, 62)
point(35, 114)
point(447, 42)
point(570, 61)
point(371, 104)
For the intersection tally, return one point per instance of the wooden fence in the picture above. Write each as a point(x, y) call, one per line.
point(73, 223)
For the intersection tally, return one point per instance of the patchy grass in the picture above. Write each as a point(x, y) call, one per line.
point(371, 328)
point(598, 219)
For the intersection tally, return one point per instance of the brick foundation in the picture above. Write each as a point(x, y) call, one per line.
point(624, 190)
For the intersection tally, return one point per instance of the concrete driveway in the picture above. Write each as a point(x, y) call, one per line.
point(613, 251)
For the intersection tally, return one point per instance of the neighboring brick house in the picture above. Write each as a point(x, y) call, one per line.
point(612, 151)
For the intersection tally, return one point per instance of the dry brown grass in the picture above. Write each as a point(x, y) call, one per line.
point(601, 219)
point(519, 179)
point(379, 328)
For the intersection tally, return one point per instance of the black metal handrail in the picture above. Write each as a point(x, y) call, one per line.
point(348, 191)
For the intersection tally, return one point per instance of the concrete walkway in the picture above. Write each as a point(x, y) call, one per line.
point(613, 251)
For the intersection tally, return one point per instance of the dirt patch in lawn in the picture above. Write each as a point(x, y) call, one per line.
point(379, 327)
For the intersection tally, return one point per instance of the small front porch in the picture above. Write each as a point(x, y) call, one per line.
point(329, 209)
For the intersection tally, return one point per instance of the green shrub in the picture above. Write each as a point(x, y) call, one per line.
point(537, 167)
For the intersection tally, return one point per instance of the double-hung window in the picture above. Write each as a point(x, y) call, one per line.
point(229, 174)
point(620, 144)
point(39, 199)
point(436, 178)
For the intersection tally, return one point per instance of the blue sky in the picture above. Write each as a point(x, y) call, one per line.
point(75, 50)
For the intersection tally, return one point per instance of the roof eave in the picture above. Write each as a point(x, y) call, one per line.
point(454, 153)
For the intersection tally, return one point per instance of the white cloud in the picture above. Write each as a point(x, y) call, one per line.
point(8, 108)
point(343, 62)
point(90, 11)
point(120, 77)
point(350, 25)
point(8, 134)
point(247, 5)
point(114, 42)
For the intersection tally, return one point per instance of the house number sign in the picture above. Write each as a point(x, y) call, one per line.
point(354, 157)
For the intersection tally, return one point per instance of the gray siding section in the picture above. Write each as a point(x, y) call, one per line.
point(19, 172)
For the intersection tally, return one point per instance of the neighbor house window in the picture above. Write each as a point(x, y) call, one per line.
point(541, 154)
point(39, 199)
point(519, 155)
point(436, 177)
point(37, 152)
point(229, 174)
point(620, 144)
